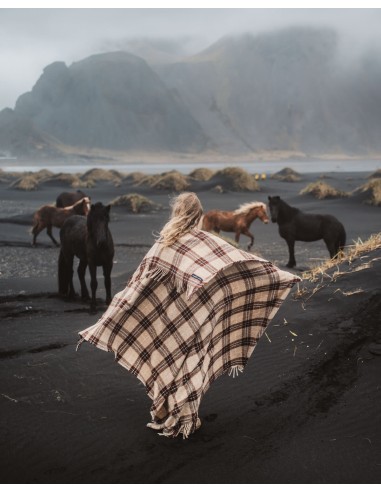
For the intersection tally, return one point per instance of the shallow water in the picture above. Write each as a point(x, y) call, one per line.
point(306, 166)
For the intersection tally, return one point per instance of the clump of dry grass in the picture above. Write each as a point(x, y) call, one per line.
point(97, 174)
point(201, 174)
point(376, 174)
point(135, 177)
point(321, 190)
point(343, 264)
point(346, 257)
point(171, 180)
point(370, 192)
point(235, 179)
point(135, 203)
point(26, 183)
point(287, 174)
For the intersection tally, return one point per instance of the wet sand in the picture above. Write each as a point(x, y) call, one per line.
point(307, 408)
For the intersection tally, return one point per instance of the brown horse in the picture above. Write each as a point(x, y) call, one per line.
point(238, 221)
point(49, 216)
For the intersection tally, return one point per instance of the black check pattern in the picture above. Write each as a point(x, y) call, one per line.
point(177, 332)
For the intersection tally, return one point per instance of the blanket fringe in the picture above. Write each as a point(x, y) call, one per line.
point(80, 342)
point(235, 370)
point(159, 274)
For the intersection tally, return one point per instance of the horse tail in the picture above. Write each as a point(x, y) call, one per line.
point(342, 239)
point(63, 277)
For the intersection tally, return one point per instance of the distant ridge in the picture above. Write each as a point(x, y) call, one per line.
point(283, 92)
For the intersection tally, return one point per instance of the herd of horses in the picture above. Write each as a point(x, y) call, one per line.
point(85, 234)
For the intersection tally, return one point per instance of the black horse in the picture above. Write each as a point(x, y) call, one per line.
point(67, 198)
point(295, 225)
point(91, 241)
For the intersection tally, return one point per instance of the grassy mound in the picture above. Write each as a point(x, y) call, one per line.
point(370, 192)
point(321, 190)
point(201, 174)
point(26, 183)
point(135, 177)
point(97, 174)
point(171, 180)
point(287, 174)
point(135, 203)
point(234, 179)
point(376, 174)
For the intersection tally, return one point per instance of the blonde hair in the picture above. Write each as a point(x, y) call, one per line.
point(185, 215)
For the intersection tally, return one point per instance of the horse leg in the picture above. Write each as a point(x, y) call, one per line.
point(93, 285)
point(332, 248)
point(49, 233)
point(37, 228)
point(81, 270)
point(247, 233)
point(291, 250)
point(69, 272)
point(107, 278)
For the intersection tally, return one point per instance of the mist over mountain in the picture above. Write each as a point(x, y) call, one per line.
point(113, 101)
point(284, 90)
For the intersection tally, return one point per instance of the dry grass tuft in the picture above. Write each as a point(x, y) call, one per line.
point(376, 174)
point(370, 192)
point(321, 190)
point(201, 174)
point(135, 177)
point(350, 254)
point(172, 181)
point(96, 174)
point(287, 174)
point(26, 183)
point(235, 179)
point(135, 203)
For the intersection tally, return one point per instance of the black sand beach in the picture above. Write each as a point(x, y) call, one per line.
point(307, 408)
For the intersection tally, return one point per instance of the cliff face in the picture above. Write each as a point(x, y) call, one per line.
point(20, 137)
point(112, 101)
point(283, 90)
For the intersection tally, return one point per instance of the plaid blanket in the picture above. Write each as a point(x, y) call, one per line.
point(190, 312)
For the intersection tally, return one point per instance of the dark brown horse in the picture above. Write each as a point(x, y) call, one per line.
point(67, 198)
point(49, 216)
point(90, 240)
point(238, 221)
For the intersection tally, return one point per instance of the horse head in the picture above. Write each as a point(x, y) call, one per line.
point(262, 214)
point(274, 202)
point(97, 223)
point(253, 210)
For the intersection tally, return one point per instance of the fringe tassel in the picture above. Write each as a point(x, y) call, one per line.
point(80, 342)
point(159, 274)
point(186, 429)
point(235, 370)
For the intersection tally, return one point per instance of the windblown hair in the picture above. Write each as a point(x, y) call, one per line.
point(186, 214)
point(246, 207)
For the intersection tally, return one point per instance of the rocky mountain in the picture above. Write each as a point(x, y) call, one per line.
point(281, 90)
point(113, 101)
point(19, 137)
point(284, 90)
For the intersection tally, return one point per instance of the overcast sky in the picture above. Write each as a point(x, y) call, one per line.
point(33, 38)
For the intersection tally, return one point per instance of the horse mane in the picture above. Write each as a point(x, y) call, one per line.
point(246, 207)
point(70, 207)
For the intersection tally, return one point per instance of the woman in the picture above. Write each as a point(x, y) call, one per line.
point(193, 310)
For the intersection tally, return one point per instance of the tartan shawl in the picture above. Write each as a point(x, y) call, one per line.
point(189, 313)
